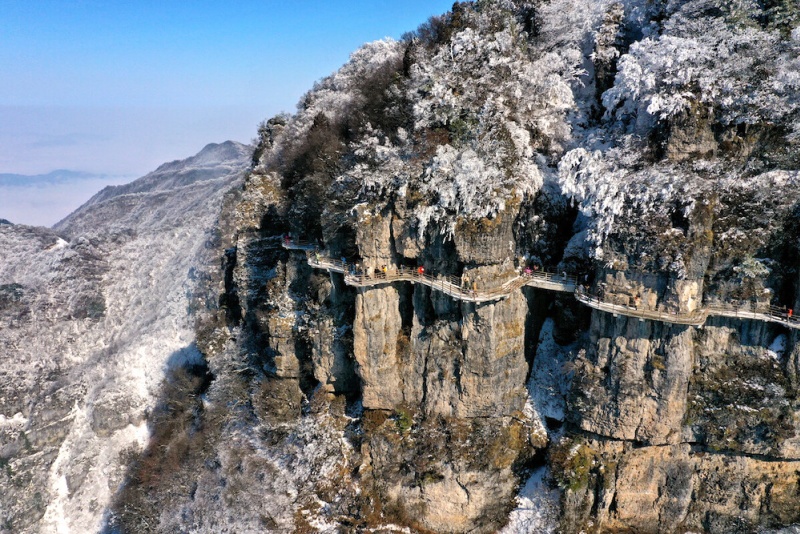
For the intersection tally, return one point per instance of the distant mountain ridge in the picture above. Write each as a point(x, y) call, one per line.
point(211, 156)
point(94, 314)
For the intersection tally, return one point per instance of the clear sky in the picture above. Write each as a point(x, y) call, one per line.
point(119, 87)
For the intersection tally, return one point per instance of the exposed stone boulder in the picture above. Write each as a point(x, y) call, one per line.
point(425, 473)
point(691, 135)
point(740, 397)
point(331, 353)
point(374, 237)
point(487, 241)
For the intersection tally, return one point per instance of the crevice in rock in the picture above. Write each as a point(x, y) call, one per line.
point(395, 256)
point(307, 380)
point(423, 306)
point(553, 425)
point(340, 304)
point(538, 304)
point(426, 356)
point(702, 449)
point(633, 443)
point(405, 293)
point(342, 243)
point(229, 300)
point(272, 223)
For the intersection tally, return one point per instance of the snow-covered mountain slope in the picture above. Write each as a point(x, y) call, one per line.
point(94, 313)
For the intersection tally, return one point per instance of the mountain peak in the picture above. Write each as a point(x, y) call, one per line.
point(212, 154)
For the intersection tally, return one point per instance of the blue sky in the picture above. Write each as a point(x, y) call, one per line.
point(119, 87)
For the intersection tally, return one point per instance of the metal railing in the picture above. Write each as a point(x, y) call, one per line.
point(447, 284)
point(765, 313)
point(769, 313)
point(695, 318)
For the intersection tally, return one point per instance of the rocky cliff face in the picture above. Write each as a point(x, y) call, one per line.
point(664, 427)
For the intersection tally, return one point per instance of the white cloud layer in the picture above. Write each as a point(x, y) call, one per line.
point(45, 205)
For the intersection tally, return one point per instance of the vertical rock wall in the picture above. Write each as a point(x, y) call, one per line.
point(446, 377)
point(633, 380)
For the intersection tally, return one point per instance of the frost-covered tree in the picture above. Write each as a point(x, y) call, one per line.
point(744, 74)
point(702, 79)
point(459, 115)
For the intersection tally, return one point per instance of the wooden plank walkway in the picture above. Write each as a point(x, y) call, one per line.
point(452, 286)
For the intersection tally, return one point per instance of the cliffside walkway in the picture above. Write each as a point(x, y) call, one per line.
point(296, 244)
point(453, 287)
point(448, 285)
point(696, 318)
point(772, 315)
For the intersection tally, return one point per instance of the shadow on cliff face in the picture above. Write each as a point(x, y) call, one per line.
point(177, 434)
point(784, 248)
